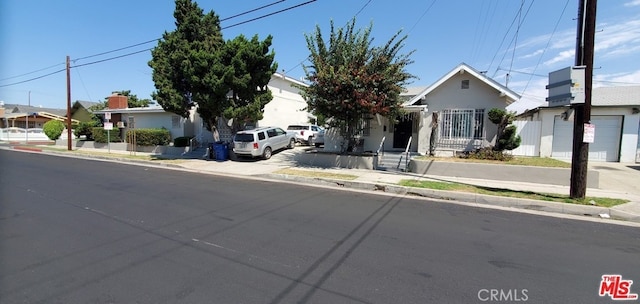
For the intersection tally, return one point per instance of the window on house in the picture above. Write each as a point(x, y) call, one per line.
point(465, 84)
point(462, 124)
point(175, 121)
point(365, 126)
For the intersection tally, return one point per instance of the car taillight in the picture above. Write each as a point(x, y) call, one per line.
point(302, 133)
point(255, 145)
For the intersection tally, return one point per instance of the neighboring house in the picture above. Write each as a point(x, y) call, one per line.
point(286, 108)
point(461, 100)
point(16, 115)
point(615, 112)
point(125, 118)
point(81, 110)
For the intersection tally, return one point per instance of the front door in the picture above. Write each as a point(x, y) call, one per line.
point(401, 133)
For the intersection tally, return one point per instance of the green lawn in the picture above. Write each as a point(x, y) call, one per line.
point(447, 186)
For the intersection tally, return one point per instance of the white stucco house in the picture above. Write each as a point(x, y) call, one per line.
point(615, 112)
point(461, 100)
point(286, 108)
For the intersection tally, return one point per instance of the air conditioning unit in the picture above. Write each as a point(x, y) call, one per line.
point(121, 124)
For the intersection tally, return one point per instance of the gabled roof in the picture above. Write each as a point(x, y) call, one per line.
point(18, 108)
point(464, 68)
point(85, 104)
point(289, 79)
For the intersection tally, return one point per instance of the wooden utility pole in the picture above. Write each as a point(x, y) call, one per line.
point(582, 112)
point(68, 106)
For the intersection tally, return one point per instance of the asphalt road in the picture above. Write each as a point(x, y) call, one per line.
point(86, 231)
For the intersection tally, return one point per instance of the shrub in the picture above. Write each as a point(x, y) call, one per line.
point(487, 153)
point(100, 135)
point(85, 128)
point(181, 141)
point(53, 129)
point(149, 137)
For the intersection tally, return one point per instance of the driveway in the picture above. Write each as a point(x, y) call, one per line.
point(621, 177)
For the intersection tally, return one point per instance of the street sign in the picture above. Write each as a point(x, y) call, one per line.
point(589, 133)
point(107, 115)
point(108, 126)
point(566, 86)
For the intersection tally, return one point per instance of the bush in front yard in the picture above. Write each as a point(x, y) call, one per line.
point(487, 153)
point(85, 128)
point(149, 137)
point(100, 135)
point(53, 129)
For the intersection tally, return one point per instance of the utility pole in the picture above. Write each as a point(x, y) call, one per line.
point(582, 112)
point(68, 106)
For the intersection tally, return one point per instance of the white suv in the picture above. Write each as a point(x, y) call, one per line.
point(305, 133)
point(261, 142)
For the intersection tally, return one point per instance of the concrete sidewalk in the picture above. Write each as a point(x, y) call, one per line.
point(617, 181)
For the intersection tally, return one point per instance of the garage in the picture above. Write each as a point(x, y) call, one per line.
point(606, 146)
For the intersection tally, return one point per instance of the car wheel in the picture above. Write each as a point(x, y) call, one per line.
point(292, 143)
point(310, 141)
point(317, 145)
point(267, 153)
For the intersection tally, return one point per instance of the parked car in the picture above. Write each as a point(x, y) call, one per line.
point(262, 142)
point(305, 134)
point(318, 140)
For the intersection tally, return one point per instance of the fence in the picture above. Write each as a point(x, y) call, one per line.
point(529, 132)
point(20, 134)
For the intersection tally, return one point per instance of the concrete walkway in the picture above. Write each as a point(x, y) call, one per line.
point(616, 181)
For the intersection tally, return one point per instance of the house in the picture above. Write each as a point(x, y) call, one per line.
point(455, 108)
point(81, 110)
point(615, 112)
point(17, 116)
point(124, 118)
point(286, 108)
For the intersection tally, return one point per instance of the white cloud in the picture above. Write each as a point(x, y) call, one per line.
point(633, 3)
point(567, 55)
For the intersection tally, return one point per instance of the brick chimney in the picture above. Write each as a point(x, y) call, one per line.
point(116, 101)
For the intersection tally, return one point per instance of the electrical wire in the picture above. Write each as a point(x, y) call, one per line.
point(555, 28)
point(251, 11)
point(142, 43)
point(422, 16)
point(33, 72)
point(270, 14)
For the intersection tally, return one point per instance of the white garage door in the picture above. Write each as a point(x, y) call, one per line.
point(606, 146)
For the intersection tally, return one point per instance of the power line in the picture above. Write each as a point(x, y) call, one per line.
point(32, 79)
point(422, 16)
point(251, 11)
point(270, 14)
point(146, 42)
point(33, 72)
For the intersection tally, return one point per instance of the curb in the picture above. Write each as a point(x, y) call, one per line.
point(470, 198)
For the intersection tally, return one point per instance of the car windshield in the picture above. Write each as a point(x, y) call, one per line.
point(244, 137)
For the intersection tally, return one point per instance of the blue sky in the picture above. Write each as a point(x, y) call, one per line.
point(525, 39)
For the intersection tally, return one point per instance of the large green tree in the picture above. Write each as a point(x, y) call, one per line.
point(352, 80)
point(194, 66)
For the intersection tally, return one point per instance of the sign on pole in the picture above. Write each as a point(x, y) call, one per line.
point(108, 126)
point(566, 86)
point(107, 115)
point(589, 133)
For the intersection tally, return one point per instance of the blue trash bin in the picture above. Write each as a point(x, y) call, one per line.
point(222, 151)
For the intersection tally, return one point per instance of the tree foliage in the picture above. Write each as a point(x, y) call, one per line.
point(506, 138)
point(132, 101)
point(352, 80)
point(194, 66)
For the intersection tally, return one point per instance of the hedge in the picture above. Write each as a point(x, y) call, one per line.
point(149, 137)
point(100, 135)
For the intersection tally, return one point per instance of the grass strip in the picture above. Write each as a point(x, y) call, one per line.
point(450, 186)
